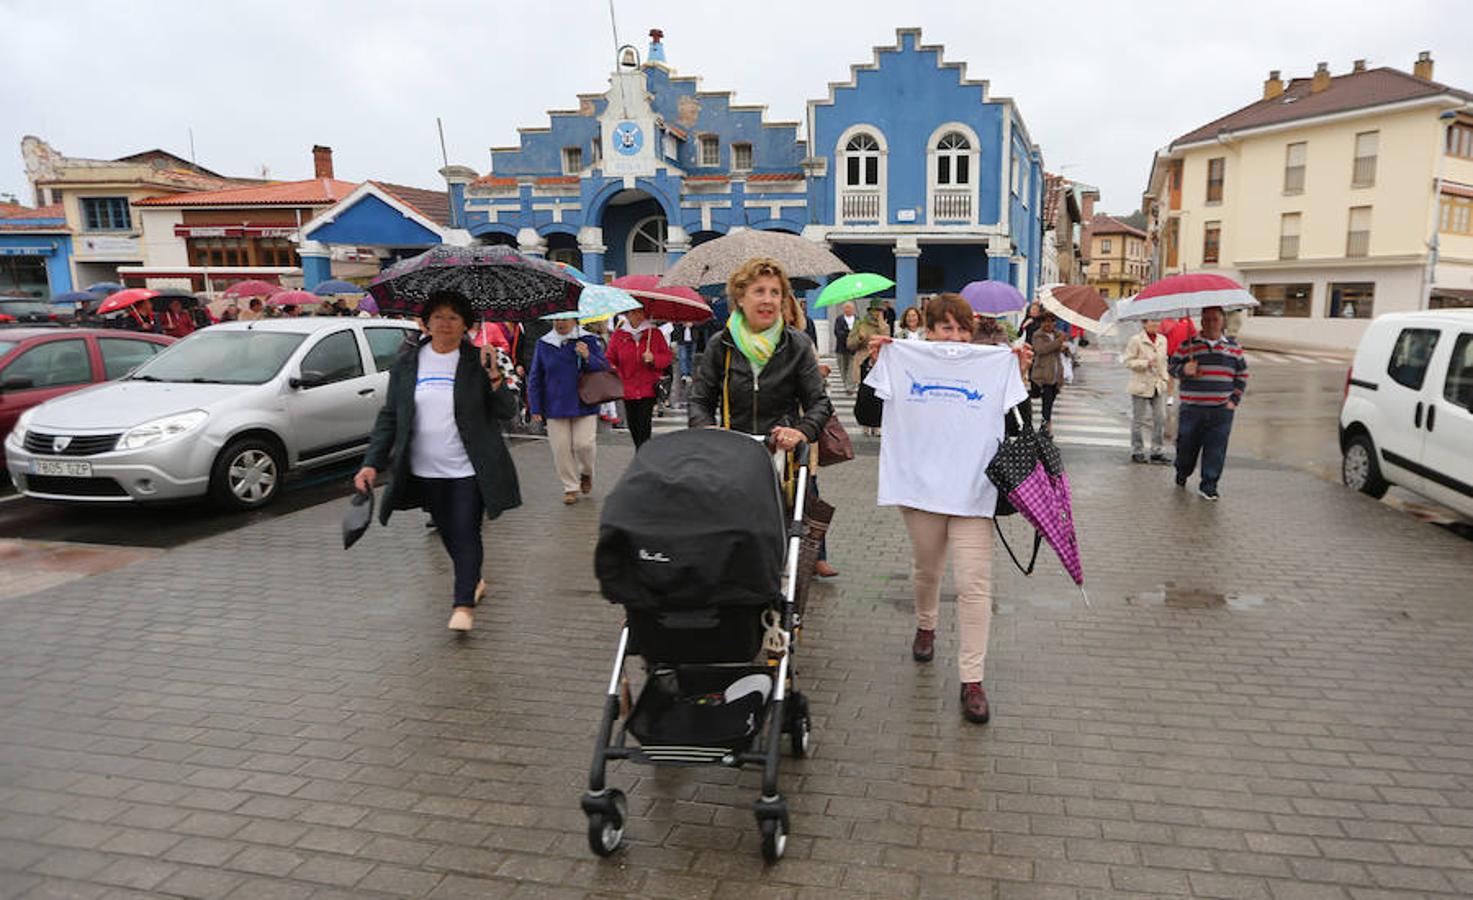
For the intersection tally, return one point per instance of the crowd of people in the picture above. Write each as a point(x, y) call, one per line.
point(757, 370)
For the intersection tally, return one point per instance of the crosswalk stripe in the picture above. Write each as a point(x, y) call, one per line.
point(1066, 428)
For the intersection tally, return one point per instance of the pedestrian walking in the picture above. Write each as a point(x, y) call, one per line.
point(912, 325)
point(843, 325)
point(639, 354)
point(860, 337)
point(1214, 375)
point(1146, 358)
point(175, 322)
point(253, 311)
point(439, 436)
point(1032, 321)
point(759, 375)
point(563, 354)
point(1047, 372)
point(945, 498)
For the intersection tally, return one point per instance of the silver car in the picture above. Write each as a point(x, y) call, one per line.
point(227, 412)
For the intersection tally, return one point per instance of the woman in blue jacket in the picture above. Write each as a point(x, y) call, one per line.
point(562, 355)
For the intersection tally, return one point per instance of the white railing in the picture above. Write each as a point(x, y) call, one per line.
point(951, 206)
point(860, 206)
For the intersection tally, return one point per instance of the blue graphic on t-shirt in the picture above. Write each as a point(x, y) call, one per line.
point(919, 389)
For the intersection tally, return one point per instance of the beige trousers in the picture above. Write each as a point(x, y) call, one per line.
point(969, 539)
point(573, 448)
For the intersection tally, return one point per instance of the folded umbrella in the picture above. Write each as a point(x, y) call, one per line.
point(1181, 296)
point(357, 518)
point(852, 287)
point(500, 283)
point(714, 261)
point(1077, 304)
point(1029, 472)
point(993, 298)
point(665, 303)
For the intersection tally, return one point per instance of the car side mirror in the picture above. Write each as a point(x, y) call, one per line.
point(16, 383)
point(309, 379)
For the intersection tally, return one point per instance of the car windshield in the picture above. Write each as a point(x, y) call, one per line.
point(19, 308)
point(222, 357)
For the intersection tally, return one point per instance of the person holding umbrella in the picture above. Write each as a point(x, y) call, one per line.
point(439, 434)
point(1048, 365)
point(1214, 375)
point(562, 355)
point(844, 325)
point(639, 355)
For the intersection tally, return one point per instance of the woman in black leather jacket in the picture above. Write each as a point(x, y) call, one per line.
point(759, 375)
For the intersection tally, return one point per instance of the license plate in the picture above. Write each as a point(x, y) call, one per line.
point(65, 468)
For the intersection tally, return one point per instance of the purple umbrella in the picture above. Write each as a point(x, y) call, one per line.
point(368, 305)
point(1029, 472)
point(993, 298)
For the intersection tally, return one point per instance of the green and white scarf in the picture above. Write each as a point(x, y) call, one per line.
point(756, 346)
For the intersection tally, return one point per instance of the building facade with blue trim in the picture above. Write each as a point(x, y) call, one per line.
point(908, 169)
point(35, 252)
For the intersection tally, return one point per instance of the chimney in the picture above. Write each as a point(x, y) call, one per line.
point(657, 47)
point(1274, 86)
point(1321, 78)
point(1357, 67)
point(321, 162)
point(1422, 68)
point(1087, 206)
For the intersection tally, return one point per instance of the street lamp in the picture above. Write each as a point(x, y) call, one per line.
point(1430, 275)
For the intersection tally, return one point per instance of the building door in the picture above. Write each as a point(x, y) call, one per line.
point(647, 243)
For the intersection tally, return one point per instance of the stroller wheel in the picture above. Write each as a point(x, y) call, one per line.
point(799, 726)
point(774, 838)
point(606, 827)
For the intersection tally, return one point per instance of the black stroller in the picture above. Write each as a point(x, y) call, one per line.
point(695, 543)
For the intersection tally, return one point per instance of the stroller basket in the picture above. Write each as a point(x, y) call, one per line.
point(693, 710)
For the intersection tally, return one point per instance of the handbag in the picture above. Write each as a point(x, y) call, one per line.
point(869, 409)
point(599, 387)
point(834, 445)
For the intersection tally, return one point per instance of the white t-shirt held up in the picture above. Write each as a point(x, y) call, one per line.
point(945, 407)
point(436, 450)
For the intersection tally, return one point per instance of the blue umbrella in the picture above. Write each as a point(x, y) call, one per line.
point(599, 301)
point(73, 297)
point(104, 288)
point(336, 286)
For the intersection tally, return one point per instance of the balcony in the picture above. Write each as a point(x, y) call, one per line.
point(951, 206)
point(859, 206)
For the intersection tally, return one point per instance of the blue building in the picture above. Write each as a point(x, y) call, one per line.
point(909, 169)
point(35, 251)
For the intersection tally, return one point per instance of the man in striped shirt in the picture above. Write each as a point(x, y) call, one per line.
point(1213, 374)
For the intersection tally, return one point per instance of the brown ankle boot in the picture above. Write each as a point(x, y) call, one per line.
point(923, 648)
point(974, 703)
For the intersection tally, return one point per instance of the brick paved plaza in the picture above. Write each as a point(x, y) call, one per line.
point(1271, 697)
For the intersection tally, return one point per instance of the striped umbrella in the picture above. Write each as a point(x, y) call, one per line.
point(1077, 304)
point(1181, 296)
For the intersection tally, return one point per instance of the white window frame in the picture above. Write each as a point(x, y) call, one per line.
point(1286, 232)
point(572, 160)
point(841, 181)
point(1302, 167)
point(1356, 157)
point(1105, 245)
point(634, 232)
point(974, 164)
point(702, 143)
point(736, 165)
point(672, 146)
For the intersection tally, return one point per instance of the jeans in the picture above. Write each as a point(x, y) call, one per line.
point(639, 414)
point(455, 505)
point(687, 355)
point(1155, 405)
point(1202, 430)
point(969, 539)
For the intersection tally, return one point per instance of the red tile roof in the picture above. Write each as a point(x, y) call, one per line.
point(16, 211)
point(558, 179)
point(1103, 224)
point(433, 205)
point(312, 192)
point(775, 176)
point(1357, 90)
point(495, 181)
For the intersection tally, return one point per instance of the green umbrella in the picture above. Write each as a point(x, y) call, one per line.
point(852, 287)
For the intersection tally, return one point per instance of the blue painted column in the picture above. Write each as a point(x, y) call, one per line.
point(907, 255)
point(591, 246)
point(59, 267)
point(316, 263)
point(997, 269)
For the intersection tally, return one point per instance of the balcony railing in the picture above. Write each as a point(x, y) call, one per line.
point(951, 206)
point(1364, 173)
point(860, 206)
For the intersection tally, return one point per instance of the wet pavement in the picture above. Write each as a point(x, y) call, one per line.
point(1269, 697)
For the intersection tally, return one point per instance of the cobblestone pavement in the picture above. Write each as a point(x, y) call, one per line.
point(1270, 697)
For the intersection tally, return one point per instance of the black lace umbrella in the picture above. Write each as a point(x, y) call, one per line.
point(502, 284)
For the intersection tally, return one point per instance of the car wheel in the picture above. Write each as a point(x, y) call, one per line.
point(1358, 468)
point(247, 475)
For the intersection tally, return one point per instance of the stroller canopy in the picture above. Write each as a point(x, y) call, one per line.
point(696, 522)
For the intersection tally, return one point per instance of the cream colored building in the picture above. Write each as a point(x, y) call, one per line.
point(1332, 198)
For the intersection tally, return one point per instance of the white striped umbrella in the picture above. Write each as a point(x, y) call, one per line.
point(1181, 296)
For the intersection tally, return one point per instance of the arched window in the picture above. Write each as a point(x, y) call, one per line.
point(862, 161)
point(953, 160)
point(648, 243)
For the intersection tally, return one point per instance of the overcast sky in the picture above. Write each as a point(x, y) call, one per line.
point(1100, 85)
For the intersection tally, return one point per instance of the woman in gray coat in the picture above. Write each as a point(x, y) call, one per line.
point(439, 433)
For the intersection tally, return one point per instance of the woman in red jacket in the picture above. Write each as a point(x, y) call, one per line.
point(639, 354)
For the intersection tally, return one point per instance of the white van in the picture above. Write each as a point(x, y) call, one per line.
point(1407, 416)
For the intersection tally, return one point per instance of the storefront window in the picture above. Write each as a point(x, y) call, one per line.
point(1352, 300)
point(24, 276)
point(275, 252)
point(218, 252)
point(1288, 301)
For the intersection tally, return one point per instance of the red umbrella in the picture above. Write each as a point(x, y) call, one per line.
point(252, 288)
point(124, 299)
point(6, 319)
point(1077, 304)
point(1180, 296)
point(669, 303)
point(293, 298)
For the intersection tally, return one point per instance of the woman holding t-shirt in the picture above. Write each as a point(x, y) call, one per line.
point(935, 532)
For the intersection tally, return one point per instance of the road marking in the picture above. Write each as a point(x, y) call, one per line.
point(1091, 442)
point(1067, 428)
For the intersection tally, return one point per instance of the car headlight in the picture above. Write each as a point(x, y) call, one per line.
point(159, 430)
point(18, 433)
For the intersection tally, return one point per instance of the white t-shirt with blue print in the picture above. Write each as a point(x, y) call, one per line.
point(945, 404)
point(436, 450)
